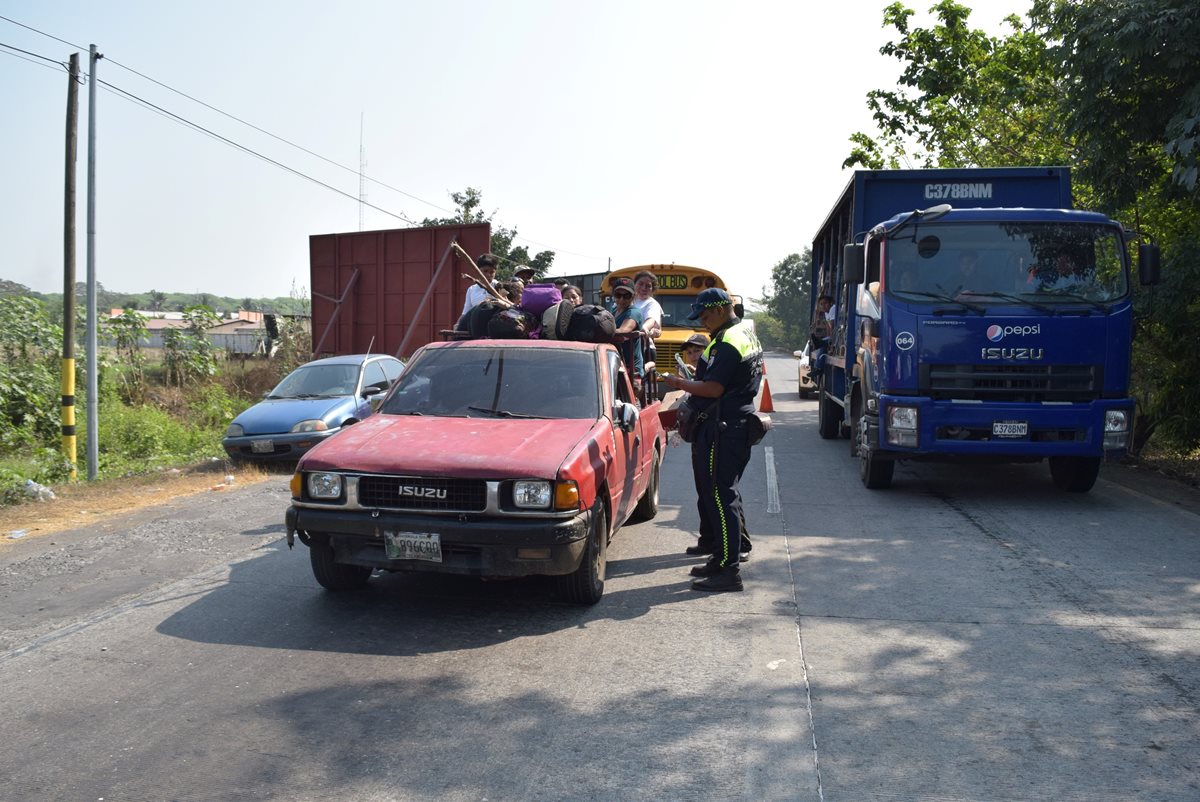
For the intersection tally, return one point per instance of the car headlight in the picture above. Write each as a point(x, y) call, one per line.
point(531, 494)
point(235, 430)
point(325, 485)
point(310, 426)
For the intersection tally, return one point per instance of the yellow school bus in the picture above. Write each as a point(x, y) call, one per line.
point(678, 286)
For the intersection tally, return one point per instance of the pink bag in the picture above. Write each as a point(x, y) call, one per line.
point(537, 298)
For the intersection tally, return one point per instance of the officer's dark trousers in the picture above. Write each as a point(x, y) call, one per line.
point(719, 456)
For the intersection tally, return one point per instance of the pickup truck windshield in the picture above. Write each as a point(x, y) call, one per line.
point(498, 382)
point(1032, 264)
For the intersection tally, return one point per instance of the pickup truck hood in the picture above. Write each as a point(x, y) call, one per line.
point(482, 448)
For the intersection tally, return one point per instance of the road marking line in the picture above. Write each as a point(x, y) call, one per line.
point(772, 482)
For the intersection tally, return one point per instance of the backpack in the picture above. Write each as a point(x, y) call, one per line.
point(537, 298)
point(480, 316)
point(591, 324)
point(510, 324)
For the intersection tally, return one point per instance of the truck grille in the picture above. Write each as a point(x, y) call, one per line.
point(1024, 383)
point(428, 493)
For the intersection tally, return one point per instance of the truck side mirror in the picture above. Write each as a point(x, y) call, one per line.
point(1149, 258)
point(852, 264)
point(627, 416)
point(739, 310)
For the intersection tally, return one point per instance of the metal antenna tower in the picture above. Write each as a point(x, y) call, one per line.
point(362, 169)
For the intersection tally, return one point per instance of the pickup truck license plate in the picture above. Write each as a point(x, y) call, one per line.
point(1010, 428)
point(413, 546)
point(262, 446)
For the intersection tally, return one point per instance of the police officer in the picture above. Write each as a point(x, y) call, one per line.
point(728, 376)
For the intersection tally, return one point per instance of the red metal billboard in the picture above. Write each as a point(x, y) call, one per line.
point(367, 286)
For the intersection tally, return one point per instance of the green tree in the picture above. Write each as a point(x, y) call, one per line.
point(29, 374)
point(469, 209)
point(188, 353)
point(128, 331)
point(788, 300)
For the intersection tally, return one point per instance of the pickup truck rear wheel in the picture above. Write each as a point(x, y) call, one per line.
point(647, 506)
point(333, 575)
point(586, 584)
point(1074, 474)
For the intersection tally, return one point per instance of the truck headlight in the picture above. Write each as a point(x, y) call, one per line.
point(902, 425)
point(310, 426)
point(325, 485)
point(235, 430)
point(531, 494)
point(1116, 428)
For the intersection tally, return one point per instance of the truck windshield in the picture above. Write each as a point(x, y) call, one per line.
point(1030, 264)
point(676, 309)
point(498, 382)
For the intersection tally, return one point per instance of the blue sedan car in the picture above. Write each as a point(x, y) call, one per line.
point(312, 404)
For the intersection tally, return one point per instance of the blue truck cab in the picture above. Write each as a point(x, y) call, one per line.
point(977, 318)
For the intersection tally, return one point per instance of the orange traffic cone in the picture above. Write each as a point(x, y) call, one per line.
point(764, 401)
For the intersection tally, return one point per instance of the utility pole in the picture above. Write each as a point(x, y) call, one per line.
point(93, 426)
point(68, 352)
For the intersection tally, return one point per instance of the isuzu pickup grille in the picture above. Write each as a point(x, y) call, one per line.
point(422, 493)
point(1023, 383)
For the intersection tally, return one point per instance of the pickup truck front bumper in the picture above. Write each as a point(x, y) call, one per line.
point(477, 546)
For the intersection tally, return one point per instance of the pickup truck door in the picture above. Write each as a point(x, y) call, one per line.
point(623, 479)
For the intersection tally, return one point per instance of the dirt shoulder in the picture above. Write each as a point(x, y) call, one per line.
point(83, 503)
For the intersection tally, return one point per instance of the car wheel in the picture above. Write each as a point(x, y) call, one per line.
point(647, 506)
point(1074, 474)
point(586, 584)
point(331, 574)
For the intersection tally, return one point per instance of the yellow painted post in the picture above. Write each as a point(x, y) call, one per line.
point(68, 413)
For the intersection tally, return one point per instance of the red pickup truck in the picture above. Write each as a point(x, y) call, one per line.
point(489, 458)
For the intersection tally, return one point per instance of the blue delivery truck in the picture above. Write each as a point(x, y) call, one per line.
point(976, 317)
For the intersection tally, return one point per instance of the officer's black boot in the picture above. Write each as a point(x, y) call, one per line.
point(723, 580)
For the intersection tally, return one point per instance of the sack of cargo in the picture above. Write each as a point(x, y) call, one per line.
point(480, 315)
point(591, 324)
point(510, 324)
point(537, 298)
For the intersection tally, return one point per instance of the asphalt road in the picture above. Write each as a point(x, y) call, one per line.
point(969, 634)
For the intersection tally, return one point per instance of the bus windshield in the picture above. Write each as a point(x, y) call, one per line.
point(1034, 264)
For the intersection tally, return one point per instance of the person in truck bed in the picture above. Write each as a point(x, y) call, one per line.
point(629, 322)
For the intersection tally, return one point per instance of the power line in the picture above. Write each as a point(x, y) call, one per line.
point(55, 62)
point(273, 136)
point(196, 126)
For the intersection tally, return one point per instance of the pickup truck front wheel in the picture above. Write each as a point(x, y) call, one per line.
point(586, 584)
point(647, 506)
point(333, 575)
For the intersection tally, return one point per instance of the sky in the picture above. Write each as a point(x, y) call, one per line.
point(637, 131)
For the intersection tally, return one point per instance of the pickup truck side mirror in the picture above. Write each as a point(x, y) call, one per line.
point(626, 416)
point(1149, 268)
point(853, 264)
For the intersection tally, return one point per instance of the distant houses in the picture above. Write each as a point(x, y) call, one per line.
point(242, 332)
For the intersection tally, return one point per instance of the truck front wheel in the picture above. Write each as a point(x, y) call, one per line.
point(876, 473)
point(333, 575)
point(1074, 474)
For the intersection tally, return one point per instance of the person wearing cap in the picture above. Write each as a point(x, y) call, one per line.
point(629, 322)
point(689, 355)
point(525, 273)
point(476, 295)
point(727, 380)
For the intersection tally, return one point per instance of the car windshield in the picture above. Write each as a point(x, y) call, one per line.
point(314, 381)
point(1032, 264)
point(488, 382)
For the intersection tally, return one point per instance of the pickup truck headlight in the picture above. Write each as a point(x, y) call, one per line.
point(235, 430)
point(1116, 428)
point(902, 425)
point(529, 494)
point(310, 426)
point(324, 485)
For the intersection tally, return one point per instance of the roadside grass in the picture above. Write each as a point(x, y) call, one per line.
point(1173, 462)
